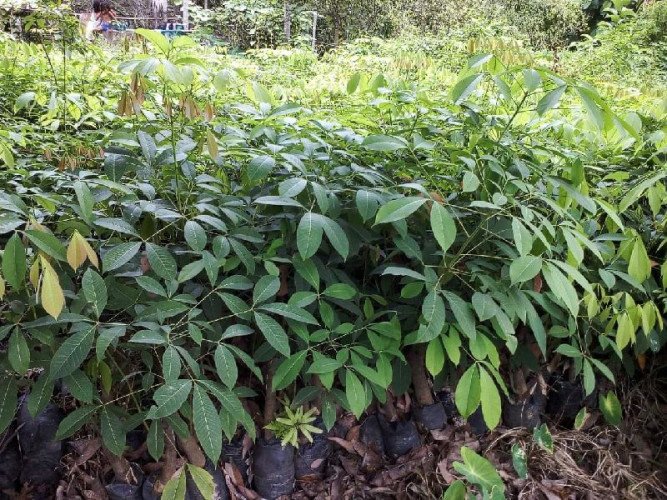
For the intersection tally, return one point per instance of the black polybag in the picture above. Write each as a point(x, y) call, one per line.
point(41, 453)
point(311, 458)
point(273, 469)
point(431, 417)
point(370, 434)
point(400, 437)
point(232, 453)
point(524, 413)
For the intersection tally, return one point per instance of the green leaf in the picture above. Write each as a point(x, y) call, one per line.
point(603, 369)
point(119, 255)
point(18, 352)
point(207, 424)
point(175, 488)
point(80, 386)
point(288, 370)
point(550, 100)
point(161, 261)
point(170, 397)
point(522, 238)
point(47, 243)
point(581, 419)
point(204, 481)
point(14, 262)
point(273, 333)
point(113, 432)
point(72, 353)
point(384, 143)
point(561, 288)
point(463, 314)
point(195, 236)
point(259, 168)
point(468, 392)
point(353, 83)
point(336, 236)
point(610, 407)
point(456, 491)
point(625, 332)
point(290, 312)
point(323, 365)
point(266, 288)
point(74, 421)
point(309, 235)
point(8, 402)
point(490, 399)
point(465, 86)
point(443, 226)
point(543, 438)
point(485, 307)
point(478, 470)
point(340, 291)
point(155, 440)
point(356, 396)
point(95, 291)
point(367, 203)
point(114, 224)
point(589, 377)
point(519, 461)
point(171, 364)
point(85, 199)
point(525, 268)
point(225, 365)
point(569, 350)
point(155, 37)
point(398, 209)
point(40, 395)
point(639, 266)
point(470, 182)
point(435, 356)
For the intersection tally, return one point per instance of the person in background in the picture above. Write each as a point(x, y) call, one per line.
point(99, 20)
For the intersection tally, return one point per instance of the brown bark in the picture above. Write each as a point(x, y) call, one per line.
point(192, 451)
point(121, 468)
point(417, 360)
point(171, 462)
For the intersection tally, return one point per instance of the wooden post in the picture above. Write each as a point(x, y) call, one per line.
point(186, 14)
point(314, 30)
point(287, 20)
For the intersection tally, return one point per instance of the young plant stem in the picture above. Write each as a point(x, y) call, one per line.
point(170, 461)
point(270, 400)
point(417, 360)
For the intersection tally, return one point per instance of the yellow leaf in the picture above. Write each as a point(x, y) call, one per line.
point(92, 256)
point(79, 250)
point(2, 287)
point(212, 144)
point(52, 296)
point(34, 273)
point(76, 252)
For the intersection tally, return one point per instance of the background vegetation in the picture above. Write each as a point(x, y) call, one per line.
point(457, 210)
